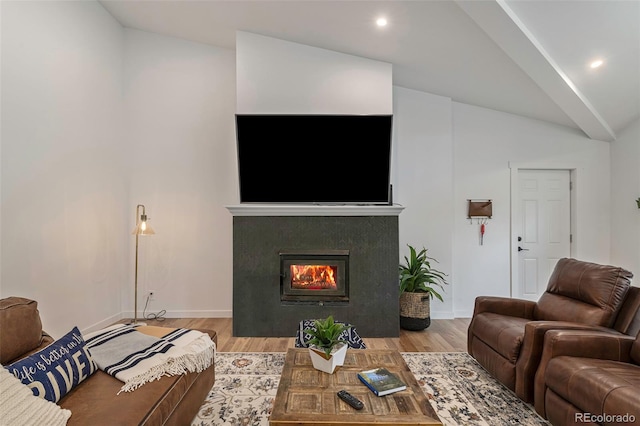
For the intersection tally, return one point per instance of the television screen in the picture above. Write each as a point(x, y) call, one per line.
point(321, 159)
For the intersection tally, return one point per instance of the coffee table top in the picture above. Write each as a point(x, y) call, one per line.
point(307, 396)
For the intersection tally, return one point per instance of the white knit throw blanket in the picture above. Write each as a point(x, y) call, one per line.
point(19, 407)
point(134, 357)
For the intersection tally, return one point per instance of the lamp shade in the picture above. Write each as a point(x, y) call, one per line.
point(142, 225)
point(143, 228)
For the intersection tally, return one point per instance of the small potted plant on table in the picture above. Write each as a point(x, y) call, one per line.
point(326, 348)
point(419, 283)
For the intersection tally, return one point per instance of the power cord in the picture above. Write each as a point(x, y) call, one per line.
point(158, 316)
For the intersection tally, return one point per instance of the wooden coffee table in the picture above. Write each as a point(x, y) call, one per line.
point(307, 396)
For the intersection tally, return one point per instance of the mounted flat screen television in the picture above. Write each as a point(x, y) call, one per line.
point(314, 159)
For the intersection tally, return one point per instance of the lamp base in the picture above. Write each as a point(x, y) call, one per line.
point(136, 323)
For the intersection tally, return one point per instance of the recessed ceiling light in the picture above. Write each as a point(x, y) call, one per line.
point(596, 63)
point(381, 22)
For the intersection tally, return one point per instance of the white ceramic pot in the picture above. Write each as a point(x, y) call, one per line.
point(320, 361)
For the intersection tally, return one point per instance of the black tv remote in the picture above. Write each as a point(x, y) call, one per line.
point(350, 399)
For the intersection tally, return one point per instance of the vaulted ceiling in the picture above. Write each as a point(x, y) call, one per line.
point(530, 58)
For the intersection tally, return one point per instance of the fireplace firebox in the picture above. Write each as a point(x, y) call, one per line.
point(314, 276)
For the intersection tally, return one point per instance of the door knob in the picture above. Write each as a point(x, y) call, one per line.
point(519, 238)
point(521, 249)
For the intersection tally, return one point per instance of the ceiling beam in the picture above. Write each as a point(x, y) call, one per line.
point(502, 25)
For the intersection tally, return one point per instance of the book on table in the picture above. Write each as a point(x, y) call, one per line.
point(381, 381)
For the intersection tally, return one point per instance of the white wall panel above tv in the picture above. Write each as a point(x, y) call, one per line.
point(281, 77)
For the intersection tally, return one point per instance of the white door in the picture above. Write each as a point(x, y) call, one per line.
point(543, 226)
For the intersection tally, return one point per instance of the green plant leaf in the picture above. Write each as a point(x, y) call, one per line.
point(326, 333)
point(417, 275)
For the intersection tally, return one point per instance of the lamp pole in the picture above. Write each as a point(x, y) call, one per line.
point(142, 228)
point(135, 307)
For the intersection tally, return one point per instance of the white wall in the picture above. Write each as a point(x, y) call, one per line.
point(280, 77)
point(78, 156)
point(179, 108)
point(625, 189)
point(485, 142)
point(423, 181)
point(447, 153)
point(63, 182)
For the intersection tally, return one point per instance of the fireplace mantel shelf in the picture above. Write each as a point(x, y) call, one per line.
point(314, 210)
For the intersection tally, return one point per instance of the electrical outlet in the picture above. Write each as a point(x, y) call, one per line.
point(151, 294)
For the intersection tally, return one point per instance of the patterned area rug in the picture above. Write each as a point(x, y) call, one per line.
point(459, 389)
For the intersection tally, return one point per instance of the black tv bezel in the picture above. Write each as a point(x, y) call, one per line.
point(389, 198)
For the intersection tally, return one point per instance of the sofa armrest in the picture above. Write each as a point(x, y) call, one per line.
point(504, 306)
point(46, 339)
point(531, 351)
point(212, 333)
point(579, 343)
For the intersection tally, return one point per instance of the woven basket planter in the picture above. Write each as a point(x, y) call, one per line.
point(415, 311)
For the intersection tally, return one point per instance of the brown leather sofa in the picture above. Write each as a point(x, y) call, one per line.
point(506, 335)
point(169, 401)
point(588, 375)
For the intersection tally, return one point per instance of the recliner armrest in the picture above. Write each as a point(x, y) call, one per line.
point(504, 306)
point(531, 351)
point(578, 343)
point(588, 344)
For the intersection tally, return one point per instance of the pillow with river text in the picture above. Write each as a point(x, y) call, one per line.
point(56, 369)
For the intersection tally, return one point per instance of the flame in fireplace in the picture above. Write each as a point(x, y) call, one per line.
point(313, 277)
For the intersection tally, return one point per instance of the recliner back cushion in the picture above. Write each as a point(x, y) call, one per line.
point(628, 321)
point(20, 327)
point(584, 292)
point(635, 350)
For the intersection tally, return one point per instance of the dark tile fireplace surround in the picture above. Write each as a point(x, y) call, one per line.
point(357, 244)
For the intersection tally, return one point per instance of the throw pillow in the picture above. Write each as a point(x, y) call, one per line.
point(351, 336)
point(19, 407)
point(56, 369)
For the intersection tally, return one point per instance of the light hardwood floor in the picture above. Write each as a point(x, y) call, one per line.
point(441, 336)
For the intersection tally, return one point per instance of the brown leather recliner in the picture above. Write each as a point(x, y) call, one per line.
point(587, 376)
point(506, 335)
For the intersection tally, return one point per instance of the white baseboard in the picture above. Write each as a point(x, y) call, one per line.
point(169, 314)
point(464, 313)
point(200, 314)
point(441, 314)
point(183, 314)
point(104, 323)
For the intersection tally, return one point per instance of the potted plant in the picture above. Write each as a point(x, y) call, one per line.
point(419, 283)
point(326, 348)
